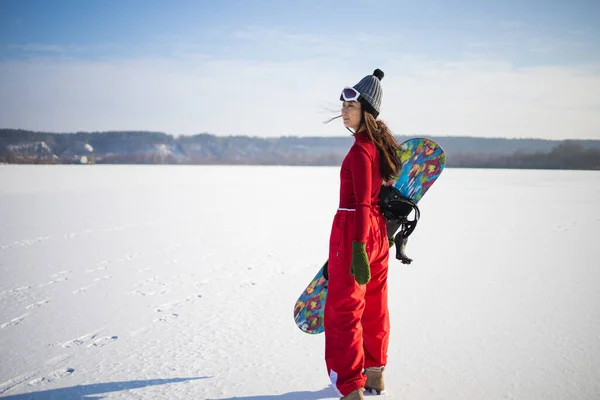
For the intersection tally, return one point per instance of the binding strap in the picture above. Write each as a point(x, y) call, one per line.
point(395, 207)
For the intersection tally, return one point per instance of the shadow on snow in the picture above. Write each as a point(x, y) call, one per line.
point(325, 393)
point(88, 391)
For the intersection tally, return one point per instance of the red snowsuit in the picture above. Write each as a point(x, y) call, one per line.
point(356, 316)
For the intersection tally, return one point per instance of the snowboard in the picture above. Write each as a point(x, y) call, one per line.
point(423, 161)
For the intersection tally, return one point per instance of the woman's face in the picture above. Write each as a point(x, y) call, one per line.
point(351, 113)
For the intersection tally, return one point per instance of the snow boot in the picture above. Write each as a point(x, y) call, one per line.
point(356, 395)
point(374, 379)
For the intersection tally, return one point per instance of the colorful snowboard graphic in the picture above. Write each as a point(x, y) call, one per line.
point(308, 311)
point(422, 163)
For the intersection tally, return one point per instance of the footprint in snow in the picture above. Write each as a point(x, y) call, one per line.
point(14, 382)
point(168, 306)
point(167, 317)
point(131, 256)
point(87, 338)
point(77, 234)
point(100, 268)
point(13, 322)
point(83, 289)
point(27, 242)
point(52, 376)
point(53, 282)
point(142, 293)
point(38, 304)
point(104, 277)
point(19, 292)
point(103, 341)
point(80, 340)
point(172, 304)
point(150, 292)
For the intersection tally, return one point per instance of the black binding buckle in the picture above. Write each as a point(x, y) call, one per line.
point(396, 209)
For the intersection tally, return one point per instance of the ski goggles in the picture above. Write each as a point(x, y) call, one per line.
point(350, 94)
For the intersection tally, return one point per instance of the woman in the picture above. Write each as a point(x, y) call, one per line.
point(356, 313)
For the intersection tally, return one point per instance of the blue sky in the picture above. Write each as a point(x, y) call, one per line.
point(270, 68)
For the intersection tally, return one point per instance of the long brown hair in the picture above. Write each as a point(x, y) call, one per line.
point(384, 140)
point(386, 144)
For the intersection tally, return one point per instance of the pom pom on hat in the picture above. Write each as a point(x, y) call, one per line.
point(378, 74)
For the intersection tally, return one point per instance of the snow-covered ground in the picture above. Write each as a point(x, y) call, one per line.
point(178, 282)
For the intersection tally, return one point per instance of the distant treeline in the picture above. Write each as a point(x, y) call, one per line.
point(139, 147)
point(566, 155)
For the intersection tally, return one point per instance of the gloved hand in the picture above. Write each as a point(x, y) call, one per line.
point(391, 242)
point(360, 267)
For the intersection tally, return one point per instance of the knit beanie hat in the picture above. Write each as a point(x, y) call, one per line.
point(370, 91)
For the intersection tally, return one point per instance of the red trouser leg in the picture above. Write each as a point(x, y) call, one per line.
point(376, 319)
point(355, 328)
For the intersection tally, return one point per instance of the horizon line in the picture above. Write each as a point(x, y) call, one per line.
point(453, 136)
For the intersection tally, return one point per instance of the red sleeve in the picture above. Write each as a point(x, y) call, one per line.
point(360, 164)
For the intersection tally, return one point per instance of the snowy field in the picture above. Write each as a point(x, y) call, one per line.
point(178, 282)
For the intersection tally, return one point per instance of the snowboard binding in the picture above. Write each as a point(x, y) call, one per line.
point(396, 208)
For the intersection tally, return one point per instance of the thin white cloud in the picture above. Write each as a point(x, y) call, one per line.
point(192, 94)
